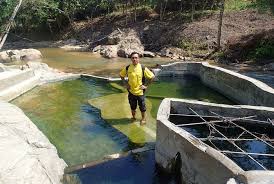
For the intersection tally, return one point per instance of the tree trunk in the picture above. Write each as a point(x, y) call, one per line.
point(192, 10)
point(181, 6)
point(222, 8)
point(135, 11)
point(3, 39)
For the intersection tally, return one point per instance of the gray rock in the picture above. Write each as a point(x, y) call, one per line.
point(114, 38)
point(17, 55)
point(126, 42)
point(27, 156)
point(269, 67)
point(149, 54)
point(97, 49)
point(30, 54)
point(4, 57)
point(110, 51)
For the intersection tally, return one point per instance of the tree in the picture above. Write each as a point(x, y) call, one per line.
point(3, 39)
point(222, 8)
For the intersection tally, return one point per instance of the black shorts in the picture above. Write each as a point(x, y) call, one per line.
point(133, 100)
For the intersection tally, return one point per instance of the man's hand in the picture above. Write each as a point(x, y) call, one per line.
point(142, 87)
point(127, 86)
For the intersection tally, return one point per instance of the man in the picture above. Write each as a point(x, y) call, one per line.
point(136, 86)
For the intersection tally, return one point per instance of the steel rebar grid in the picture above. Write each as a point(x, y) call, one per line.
point(248, 153)
point(229, 140)
point(244, 129)
point(236, 139)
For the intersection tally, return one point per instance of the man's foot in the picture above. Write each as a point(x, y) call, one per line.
point(133, 119)
point(143, 122)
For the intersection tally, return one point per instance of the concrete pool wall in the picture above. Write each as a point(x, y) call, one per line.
point(27, 154)
point(200, 163)
point(239, 88)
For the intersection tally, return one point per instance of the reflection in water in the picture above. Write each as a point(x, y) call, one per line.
point(133, 169)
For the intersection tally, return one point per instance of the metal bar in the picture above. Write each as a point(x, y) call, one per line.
point(248, 118)
point(241, 134)
point(200, 123)
point(229, 140)
point(245, 130)
point(223, 139)
point(258, 121)
point(246, 153)
point(193, 115)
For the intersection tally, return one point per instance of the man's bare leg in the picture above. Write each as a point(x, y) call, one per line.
point(143, 120)
point(133, 113)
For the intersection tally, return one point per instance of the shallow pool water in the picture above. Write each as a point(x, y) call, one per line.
point(132, 169)
point(91, 63)
point(61, 111)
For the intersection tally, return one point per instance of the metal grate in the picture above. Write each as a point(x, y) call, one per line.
point(217, 132)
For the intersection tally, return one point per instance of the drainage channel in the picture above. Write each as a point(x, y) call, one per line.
point(135, 166)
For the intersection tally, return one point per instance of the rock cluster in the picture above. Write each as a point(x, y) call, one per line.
point(20, 55)
point(121, 43)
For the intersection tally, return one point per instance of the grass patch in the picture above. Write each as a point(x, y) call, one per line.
point(260, 5)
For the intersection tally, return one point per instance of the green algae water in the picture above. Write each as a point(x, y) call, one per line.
point(82, 132)
point(186, 87)
point(61, 112)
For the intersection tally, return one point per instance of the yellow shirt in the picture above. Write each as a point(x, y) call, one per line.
point(135, 75)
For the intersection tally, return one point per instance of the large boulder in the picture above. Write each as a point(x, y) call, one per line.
point(122, 42)
point(17, 55)
point(30, 54)
point(14, 55)
point(4, 57)
point(130, 43)
point(27, 156)
point(173, 52)
point(149, 54)
point(115, 37)
point(110, 51)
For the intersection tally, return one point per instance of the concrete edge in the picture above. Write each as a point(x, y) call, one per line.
point(163, 117)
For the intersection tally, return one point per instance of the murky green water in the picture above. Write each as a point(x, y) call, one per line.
point(61, 112)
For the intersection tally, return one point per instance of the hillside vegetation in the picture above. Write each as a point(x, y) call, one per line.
point(188, 24)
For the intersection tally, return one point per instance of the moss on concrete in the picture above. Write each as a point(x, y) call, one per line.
point(116, 111)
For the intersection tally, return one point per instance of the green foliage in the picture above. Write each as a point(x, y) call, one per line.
point(6, 7)
point(237, 4)
point(264, 50)
point(265, 5)
point(34, 13)
point(191, 46)
point(261, 5)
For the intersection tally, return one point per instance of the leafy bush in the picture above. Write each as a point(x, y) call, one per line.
point(265, 50)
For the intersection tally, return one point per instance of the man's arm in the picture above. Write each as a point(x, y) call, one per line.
point(123, 74)
point(125, 83)
point(149, 76)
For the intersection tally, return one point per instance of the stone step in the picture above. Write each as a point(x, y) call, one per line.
point(13, 77)
point(16, 90)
